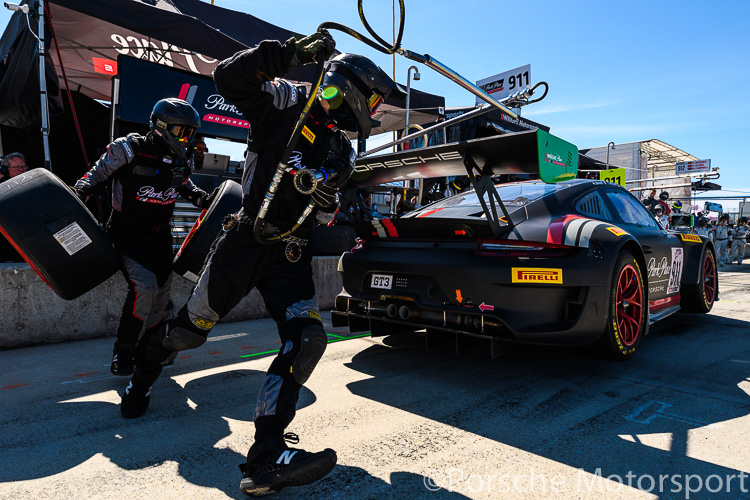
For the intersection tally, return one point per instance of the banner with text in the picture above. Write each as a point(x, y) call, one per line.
point(693, 167)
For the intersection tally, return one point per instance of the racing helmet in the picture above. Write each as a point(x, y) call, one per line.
point(354, 87)
point(174, 122)
point(663, 196)
point(702, 222)
point(677, 204)
point(743, 220)
point(658, 210)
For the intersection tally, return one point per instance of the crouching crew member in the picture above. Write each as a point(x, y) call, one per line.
point(353, 88)
point(148, 173)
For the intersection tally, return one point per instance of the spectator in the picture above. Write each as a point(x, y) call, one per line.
point(200, 150)
point(12, 165)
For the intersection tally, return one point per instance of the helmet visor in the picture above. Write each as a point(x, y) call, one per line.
point(182, 133)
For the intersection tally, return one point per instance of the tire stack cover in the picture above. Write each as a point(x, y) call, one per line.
point(189, 259)
point(55, 233)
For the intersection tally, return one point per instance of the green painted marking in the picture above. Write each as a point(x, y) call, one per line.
point(338, 339)
point(259, 353)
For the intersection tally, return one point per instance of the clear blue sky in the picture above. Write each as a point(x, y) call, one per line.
point(678, 71)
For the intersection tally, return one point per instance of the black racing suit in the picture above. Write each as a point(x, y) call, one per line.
point(147, 179)
point(237, 263)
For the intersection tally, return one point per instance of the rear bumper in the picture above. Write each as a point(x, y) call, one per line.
point(572, 312)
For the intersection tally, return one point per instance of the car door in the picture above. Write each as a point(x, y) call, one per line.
point(663, 251)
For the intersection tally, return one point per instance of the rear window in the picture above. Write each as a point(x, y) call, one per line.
point(514, 195)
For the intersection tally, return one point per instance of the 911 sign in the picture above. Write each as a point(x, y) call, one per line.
point(507, 83)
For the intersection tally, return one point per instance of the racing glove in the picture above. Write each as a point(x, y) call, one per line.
point(206, 201)
point(82, 193)
point(312, 47)
point(325, 194)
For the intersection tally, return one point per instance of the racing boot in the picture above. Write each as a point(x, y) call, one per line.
point(137, 394)
point(123, 356)
point(272, 465)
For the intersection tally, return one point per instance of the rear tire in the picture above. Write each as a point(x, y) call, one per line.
point(627, 311)
point(699, 298)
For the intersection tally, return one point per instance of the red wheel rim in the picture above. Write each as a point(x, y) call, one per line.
point(709, 279)
point(629, 305)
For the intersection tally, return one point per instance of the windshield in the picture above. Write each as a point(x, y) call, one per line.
point(516, 194)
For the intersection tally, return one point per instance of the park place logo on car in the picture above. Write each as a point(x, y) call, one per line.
point(536, 275)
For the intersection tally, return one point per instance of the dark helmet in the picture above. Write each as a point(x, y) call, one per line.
point(354, 88)
point(702, 222)
point(175, 121)
point(677, 204)
point(743, 220)
point(663, 196)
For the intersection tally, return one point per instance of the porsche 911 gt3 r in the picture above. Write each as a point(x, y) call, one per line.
point(573, 262)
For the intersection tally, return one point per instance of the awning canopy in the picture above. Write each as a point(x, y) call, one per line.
point(183, 34)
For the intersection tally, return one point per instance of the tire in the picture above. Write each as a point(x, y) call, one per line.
point(192, 253)
point(627, 312)
point(699, 298)
point(54, 232)
point(332, 240)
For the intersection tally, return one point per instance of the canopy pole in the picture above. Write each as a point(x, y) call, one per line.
point(43, 87)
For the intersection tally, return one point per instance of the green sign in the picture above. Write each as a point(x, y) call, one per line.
point(558, 159)
point(614, 175)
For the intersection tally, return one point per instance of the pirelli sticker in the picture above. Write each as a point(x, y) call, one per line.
point(536, 275)
point(690, 237)
point(308, 134)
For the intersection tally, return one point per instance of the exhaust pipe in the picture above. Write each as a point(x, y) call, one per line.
point(391, 310)
point(404, 312)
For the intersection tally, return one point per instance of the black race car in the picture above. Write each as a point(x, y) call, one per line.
point(571, 262)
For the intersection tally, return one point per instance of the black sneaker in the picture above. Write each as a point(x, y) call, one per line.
point(135, 399)
point(123, 361)
point(272, 465)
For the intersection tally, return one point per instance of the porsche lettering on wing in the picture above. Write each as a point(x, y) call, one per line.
point(536, 275)
point(413, 160)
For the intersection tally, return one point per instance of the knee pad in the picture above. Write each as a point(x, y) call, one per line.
point(313, 342)
point(182, 339)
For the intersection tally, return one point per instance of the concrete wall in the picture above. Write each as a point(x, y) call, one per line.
point(31, 313)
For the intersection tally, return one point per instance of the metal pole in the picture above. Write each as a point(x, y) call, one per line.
point(613, 147)
point(408, 95)
point(43, 87)
point(406, 118)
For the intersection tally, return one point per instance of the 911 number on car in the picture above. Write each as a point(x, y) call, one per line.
point(381, 281)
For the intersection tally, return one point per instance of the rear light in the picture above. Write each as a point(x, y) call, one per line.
point(359, 244)
point(507, 248)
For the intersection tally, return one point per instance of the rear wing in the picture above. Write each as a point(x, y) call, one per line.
point(531, 152)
